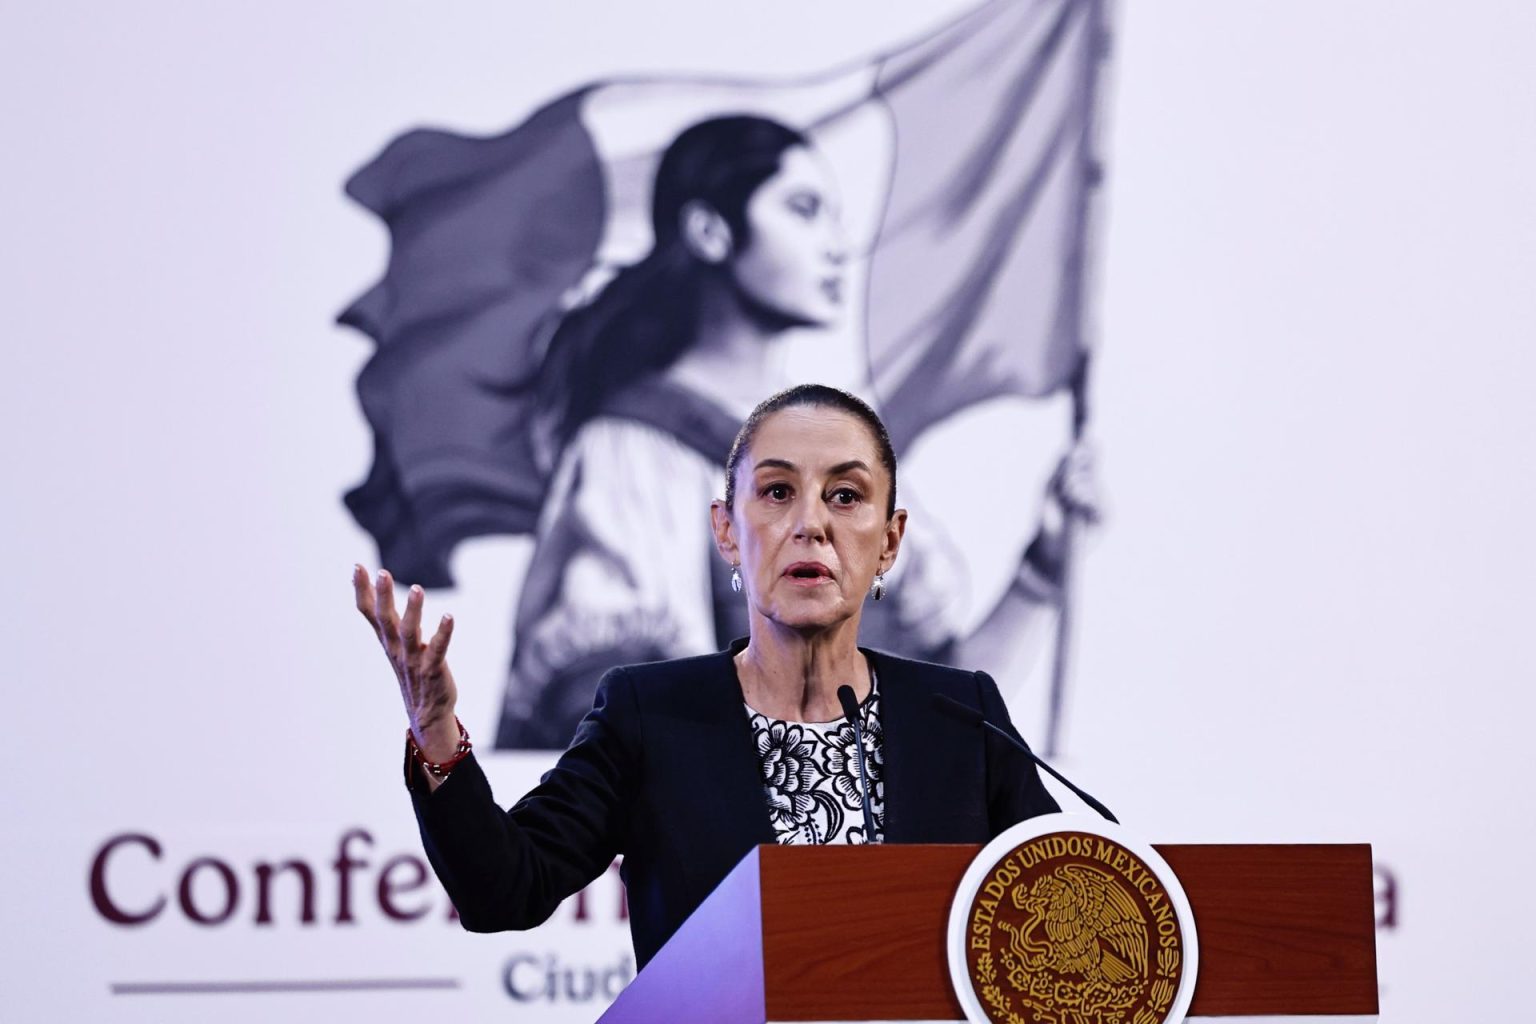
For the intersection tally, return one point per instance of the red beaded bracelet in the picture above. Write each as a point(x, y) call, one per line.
point(440, 769)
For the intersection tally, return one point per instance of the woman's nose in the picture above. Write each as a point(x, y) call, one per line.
point(836, 248)
point(811, 522)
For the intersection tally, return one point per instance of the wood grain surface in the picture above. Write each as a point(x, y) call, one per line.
point(854, 933)
point(1282, 929)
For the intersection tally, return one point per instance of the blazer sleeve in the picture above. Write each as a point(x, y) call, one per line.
point(1014, 789)
point(509, 869)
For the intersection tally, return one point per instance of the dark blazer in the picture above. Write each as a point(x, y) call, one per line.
point(664, 772)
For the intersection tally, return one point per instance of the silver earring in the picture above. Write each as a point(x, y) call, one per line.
point(736, 578)
point(877, 588)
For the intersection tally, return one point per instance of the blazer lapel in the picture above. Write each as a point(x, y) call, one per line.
point(935, 771)
point(902, 737)
point(726, 748)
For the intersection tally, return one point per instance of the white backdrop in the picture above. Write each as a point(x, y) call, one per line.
point(1305, 619)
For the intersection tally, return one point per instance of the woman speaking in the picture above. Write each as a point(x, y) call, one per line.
point(682, 766)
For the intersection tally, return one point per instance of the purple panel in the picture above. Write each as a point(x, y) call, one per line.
point(712, 969)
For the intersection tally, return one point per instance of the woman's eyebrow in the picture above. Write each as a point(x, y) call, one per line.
point(774, 464)
point(840, 468)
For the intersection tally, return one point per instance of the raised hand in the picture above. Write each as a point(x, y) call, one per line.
point(421, 667)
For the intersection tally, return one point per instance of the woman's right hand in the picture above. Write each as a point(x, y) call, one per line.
point(421, 667)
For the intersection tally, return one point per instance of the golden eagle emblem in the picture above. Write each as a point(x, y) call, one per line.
point(1080, 922)
point(1073, 928)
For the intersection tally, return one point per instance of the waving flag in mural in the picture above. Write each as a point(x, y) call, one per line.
point(538, 315)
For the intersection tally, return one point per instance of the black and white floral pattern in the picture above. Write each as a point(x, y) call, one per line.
point(811, 775)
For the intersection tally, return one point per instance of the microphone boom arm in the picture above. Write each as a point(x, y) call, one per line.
point(954, 708)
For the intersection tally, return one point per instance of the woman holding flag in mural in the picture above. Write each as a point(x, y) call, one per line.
point(640, 395)
point(512, 394)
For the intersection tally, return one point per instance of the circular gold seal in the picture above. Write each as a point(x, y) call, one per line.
point(1071, 922)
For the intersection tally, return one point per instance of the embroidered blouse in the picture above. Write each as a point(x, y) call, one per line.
point(811, 775)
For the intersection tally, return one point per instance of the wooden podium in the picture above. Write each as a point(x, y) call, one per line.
point(856, 933)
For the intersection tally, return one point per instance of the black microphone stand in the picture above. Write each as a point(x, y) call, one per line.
point(850, 705)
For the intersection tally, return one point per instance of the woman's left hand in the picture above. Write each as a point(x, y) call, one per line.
point(1072, 495)
point(1075, 484)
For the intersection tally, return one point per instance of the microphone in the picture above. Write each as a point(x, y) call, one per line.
point(850, 705)
point(949, 706)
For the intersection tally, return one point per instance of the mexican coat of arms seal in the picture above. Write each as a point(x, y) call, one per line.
point(1071, 922)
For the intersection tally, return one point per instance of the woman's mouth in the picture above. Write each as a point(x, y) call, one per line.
point(808, 574)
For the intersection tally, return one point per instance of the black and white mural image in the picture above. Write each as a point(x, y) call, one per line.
point(1302, 281)
point(578, 314)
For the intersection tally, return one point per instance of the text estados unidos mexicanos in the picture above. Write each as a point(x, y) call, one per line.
point(1109, 854)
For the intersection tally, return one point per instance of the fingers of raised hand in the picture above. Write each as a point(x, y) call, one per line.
point(384, 612)
point(437, 647)
point(427, 681)
point(435, 654)
point(410, 623)
point(362, 590)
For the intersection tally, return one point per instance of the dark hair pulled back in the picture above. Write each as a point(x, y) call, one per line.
point(648, 315)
